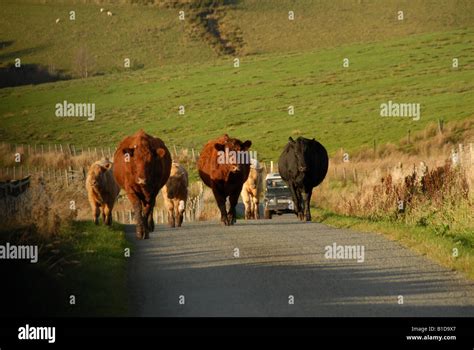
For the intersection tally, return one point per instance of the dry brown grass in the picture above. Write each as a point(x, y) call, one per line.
point(43, 209)
point(390, 183)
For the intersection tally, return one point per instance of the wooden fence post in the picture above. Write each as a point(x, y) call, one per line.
point(440, 126)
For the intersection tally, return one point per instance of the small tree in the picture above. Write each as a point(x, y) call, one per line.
point(83, 63)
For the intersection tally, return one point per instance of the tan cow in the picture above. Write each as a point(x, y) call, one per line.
point(175, 194)
point(102, 190)
point(252, 190)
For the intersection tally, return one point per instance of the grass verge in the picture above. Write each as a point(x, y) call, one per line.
point(85, 261)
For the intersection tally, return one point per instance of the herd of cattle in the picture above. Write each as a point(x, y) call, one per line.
point(142, 165)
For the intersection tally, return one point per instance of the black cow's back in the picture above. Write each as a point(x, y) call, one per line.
point(316, 159)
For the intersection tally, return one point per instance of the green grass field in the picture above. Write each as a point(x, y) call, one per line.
point(338, 106)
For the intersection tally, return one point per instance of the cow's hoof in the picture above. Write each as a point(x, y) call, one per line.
point(140, 234)
point(225, 220)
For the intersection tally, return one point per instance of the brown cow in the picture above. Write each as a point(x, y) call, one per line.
point(222, 168)
point(175, 194)
point(102, 190)
point(252, 191)
point(142, 165)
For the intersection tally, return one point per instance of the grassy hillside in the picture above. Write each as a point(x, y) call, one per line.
point(148, 36)
point(152, 36)
point(321, 24)
point(339, 106)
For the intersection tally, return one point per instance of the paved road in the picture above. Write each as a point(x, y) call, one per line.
point(280, 258)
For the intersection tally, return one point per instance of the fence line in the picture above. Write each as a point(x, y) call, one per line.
point(73, 150)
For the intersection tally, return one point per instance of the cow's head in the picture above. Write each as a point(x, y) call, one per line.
point(97, 171)
point(300, 150)
point(233, 153)
point(139, 156)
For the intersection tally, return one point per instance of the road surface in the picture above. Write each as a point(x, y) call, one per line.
point(281, 270)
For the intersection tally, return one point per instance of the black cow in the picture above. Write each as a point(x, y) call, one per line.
point(303, 165)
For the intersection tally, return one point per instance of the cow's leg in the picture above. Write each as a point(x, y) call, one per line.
point(137, 208)
point(307, 202)
point(220, 199)
point(148, 218)
point(296, 195)
point(108, 214)
point(300, 204)
point(151, 221)
point(95, 213)
point(170, 209)
point(247, 204)
point(102, 211)
point(232, 215)
point(181, 206)
point(256, 208)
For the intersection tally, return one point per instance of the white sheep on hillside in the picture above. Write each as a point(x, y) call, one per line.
point(102, 9)
point(109, 13)
point(57, 20)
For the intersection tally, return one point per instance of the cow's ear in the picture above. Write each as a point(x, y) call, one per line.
point(128, 151)
point(226, 137)
point(219, 147)
point(291, 139)
point(161, 152)
point(246, 145)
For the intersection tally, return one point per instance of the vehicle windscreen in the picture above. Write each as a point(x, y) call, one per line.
point(276, 183)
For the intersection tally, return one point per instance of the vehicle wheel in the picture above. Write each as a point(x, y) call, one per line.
point(267, 214)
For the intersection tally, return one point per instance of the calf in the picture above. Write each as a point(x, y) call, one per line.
point(102, 190)
point(175, 194)
point(252, 191)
